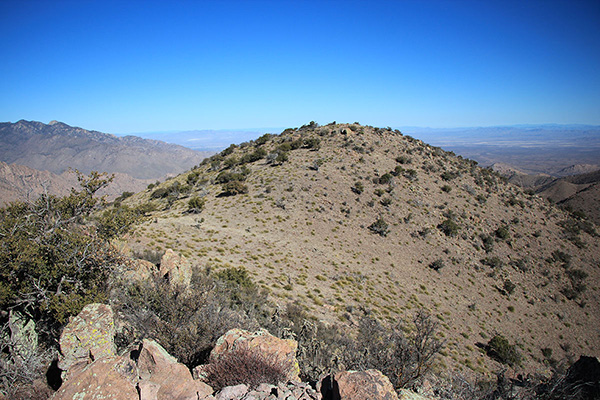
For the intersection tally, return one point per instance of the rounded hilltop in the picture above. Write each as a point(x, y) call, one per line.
point(346, 219)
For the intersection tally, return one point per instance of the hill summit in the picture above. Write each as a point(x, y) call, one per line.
point(348, 220)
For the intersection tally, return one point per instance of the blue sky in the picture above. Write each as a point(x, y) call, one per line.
point(135, 66)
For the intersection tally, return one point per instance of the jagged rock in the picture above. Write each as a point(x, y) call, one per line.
point(175, 380)
point(260, 341)
point(232, 392)
point(176, 268)
point(139, 270)
point(101, 379)
point(22, 335)
point(87, 337)
point(357, 385)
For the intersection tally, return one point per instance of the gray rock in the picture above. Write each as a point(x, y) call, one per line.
point(232, 392)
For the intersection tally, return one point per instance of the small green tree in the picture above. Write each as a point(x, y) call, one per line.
point(196, 204)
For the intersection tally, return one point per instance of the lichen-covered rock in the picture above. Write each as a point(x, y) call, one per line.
point(87, 337)
point(101, 379)
point(22, 335)
point(175, 381)
point(357, 385)
point(176, 268)
point(263, 342)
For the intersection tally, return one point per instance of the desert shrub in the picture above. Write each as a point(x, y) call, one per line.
point(52, 262)
point(488, 242)
point(379, 227)
point(239, 174)
point(312, 143)
point(234, 188)
point(448, 176)
point(186, 321)
point(284, 147)
point(446, 188)
point(358, 187)
point(171, 192)
point(196, 204)
point(403, 159)
point(562, 257)
point(384, 179)
point(577, 286)
point(192, 178)
point(159, 193)
point(231, 162)
point(123, 196)
point(229, 150)
point(494, 262)
point(238, 276)
point(502, 233)
point(241, 365)
point(386, 201)
point(509, 286)
point(410, 174)
point(397, 171)
point(403, 358)
point(501, 350)
point(449, 227)
point(263, 139)
point(282, 156)
point(256, 155)
point(379, 192)
point(119, 219)
point(437, 264)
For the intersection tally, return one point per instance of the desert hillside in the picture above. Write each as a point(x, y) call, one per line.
point(348, 219)
point(38, 157)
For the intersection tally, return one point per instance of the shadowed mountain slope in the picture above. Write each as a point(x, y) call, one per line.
point(38, 158)
point(348, 219)
point(57, 147)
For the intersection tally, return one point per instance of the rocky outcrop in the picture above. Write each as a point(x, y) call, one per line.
point(87, 337)
point(289, 391)
point(262, 342)
point(93, 370)
point(162, 377)
point(176, 268)
point(357, 385)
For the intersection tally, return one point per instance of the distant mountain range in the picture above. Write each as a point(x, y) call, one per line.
point(38, 156)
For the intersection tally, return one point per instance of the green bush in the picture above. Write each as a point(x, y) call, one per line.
point(449, 227)
point(196, 204)
point(437, 264)
point(358, 187)
point(52, 262)
point(234, 188)
point(502, 232)
point(379, 227)
point(501, 350)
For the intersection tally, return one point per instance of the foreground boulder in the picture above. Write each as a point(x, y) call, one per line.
point(162, 377)
point(87, 337)
point(260, 342)
point(93, 370)
point(357, 385)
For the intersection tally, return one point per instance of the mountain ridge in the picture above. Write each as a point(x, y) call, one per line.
point(357, 218)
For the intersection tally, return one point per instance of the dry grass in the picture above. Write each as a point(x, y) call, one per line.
point(302, 230)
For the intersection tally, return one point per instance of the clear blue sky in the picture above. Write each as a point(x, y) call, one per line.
point(134, 66)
